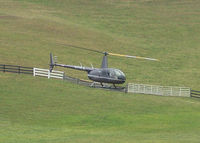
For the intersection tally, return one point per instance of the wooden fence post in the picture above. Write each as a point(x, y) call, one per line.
point(4, 68)
point(126, 88)
point(18, 69)
point(33, 71)
point(49, 74)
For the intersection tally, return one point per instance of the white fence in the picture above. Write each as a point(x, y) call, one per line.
point(158, 90)
point(131, 87)
point(47, 73)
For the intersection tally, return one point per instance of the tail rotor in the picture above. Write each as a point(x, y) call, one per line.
point(52, 64)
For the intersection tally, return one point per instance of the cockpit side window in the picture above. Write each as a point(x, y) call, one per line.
point(99, 73)
point(112, 73)
point(104, 72)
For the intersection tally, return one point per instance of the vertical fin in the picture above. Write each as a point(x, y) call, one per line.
point(51, 65)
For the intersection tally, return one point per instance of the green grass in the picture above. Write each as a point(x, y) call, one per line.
point(64, 112)
point(167, 30)
point(42, 110)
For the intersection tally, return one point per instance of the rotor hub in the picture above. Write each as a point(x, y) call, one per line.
point(105, 53)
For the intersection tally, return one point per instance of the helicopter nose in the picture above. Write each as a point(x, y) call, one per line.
point(121, 77)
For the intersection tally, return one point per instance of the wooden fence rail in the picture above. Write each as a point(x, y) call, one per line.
point(158, 90)
point(47, 73)
point(195, 93)
point(16, 69)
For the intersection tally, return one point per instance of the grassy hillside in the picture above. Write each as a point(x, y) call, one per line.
point(167, 30)
point(53, 111)
point(42, 110)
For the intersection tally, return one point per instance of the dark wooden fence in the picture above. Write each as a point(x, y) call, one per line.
point(16, 69)
point(195, 93)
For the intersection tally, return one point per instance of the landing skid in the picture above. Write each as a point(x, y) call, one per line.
point(97, 83)
point(106, 86)
point(94, 84)
point(100, 84)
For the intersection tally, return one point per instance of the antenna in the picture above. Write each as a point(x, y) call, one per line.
point(92, 65)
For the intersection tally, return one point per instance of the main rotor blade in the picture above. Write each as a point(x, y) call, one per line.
point(136, 57)
point(82, 48)
point(112, 54)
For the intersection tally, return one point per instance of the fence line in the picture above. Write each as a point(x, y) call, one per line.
point(16, 69)
point(131, 87)
point(47, 73)
point(195, 93)
point(158, 90)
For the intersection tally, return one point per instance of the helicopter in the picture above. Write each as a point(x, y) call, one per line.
point(104, 74)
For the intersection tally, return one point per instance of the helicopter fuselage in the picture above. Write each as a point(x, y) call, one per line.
point(107, 75)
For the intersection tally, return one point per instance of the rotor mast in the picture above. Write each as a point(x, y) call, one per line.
point(104, 63)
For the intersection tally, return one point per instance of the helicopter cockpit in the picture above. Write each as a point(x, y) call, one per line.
point(117, 74)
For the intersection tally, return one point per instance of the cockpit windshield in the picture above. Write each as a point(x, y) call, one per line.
point(116, 72)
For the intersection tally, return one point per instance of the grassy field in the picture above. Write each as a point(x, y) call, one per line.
point(163, 29)
point(63, 112)
point(42, 110)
